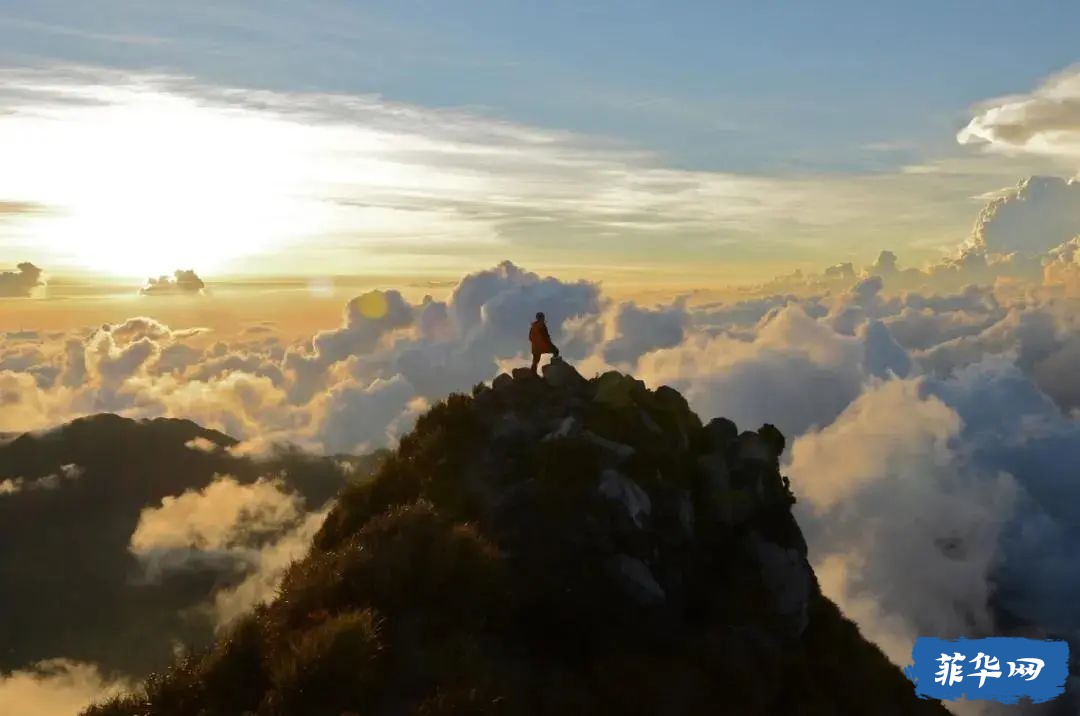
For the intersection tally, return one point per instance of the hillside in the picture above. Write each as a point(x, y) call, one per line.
point(70, 499)
point(555, 546)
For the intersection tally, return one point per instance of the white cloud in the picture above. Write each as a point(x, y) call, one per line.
point(269, 566)
point(1038, 215)
point(1045, 121)
point(224, 522)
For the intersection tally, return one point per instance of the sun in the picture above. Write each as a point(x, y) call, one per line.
point(143, 182)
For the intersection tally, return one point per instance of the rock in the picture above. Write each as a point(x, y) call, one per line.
point(560, 374)
point(617, 390)
point(636, 580)
point(787, 577)
point(752, 448)
point(649, 423)
point(619, 451)
point(510, 426)
point(722, 502)
point(673, 401)
point(502, 381)
point(719, 433)
point(523, 374)
point(568, 427)
point(684, 507)
point(627, 493)
point(773, 438)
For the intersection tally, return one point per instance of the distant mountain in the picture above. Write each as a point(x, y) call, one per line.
point(550, 546)
point(70, 499)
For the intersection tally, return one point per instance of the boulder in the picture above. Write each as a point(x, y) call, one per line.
point(752, 448)
point(617, 390)
point(628, 494)
point(502, 381)
point(523, 374)
point(773, 438)
point(636, 579)
point(560, 374)
point(719, 433)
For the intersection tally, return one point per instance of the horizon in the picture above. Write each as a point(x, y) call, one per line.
point(306, 226)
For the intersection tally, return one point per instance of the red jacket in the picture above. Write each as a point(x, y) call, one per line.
point(540, 338)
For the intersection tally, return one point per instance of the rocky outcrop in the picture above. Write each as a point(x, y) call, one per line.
point(546, 546)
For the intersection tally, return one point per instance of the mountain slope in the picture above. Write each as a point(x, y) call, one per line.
point(70, 585)
point(550, 546)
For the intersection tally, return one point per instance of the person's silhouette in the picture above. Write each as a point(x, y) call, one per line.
point(540, 340)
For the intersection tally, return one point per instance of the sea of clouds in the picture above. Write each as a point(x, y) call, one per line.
point(932, 413)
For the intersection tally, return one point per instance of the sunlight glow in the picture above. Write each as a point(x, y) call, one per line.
point(140, 183)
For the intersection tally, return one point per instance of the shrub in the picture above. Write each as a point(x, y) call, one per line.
point(333, 667)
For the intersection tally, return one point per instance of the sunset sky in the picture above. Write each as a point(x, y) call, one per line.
point(710, 144)
point(303, 224)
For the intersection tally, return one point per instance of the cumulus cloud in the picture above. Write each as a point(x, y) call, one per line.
point(21, 282)
point(794, 371)
point(638, 330)
point(184, 282)
point(357, 418)
point(1040, 214)
point(946, 506)
point(56, 687)
point(909, 537)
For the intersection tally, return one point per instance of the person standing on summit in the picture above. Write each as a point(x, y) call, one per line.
point(540, 340)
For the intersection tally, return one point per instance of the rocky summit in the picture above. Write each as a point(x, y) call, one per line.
point(550, 545)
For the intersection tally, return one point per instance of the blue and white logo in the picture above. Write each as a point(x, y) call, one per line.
point(995, 669)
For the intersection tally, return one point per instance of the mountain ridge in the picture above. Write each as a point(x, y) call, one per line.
point(555, 545)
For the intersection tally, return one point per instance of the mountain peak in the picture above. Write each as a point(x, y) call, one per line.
point(551, 545)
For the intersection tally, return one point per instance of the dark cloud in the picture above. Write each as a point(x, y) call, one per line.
point(185, 282)
point(21, 282)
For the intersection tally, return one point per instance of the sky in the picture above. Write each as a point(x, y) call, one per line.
point(699, 144)
point(305, 223)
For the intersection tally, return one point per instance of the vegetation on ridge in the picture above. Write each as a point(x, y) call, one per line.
point(549, 546)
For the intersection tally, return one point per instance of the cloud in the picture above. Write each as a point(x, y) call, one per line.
point(185, 282)
point(1038, 215)
point(56, 687)
point(21, 282)
point(368, 318)
point(201, 444)
point(256, 530)
point(268, 569)
point(356, 418)
point(907, 536)
point(794, 371)
point(1045, 121)
point(1062, 267)
point(397, 184)
point(640, 330)
point(225, 522)
point(947, 408)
